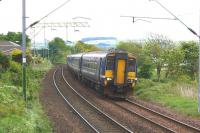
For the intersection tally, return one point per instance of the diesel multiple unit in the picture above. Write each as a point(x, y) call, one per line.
point(112, 72)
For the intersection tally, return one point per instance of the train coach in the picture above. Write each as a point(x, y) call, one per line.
point(112, 72)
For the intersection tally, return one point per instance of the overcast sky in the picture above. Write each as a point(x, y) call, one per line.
point(105, 18)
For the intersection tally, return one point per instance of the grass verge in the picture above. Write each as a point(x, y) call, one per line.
point(15, 117)
point(179, 96)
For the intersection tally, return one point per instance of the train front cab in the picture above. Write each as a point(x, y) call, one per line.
point(120, 75)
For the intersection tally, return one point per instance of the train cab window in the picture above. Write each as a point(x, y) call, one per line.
point(131, 65)
point(110, 63)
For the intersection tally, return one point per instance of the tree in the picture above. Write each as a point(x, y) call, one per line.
point(145, 70)
point(82, 47)
point(15, 37)
point(155, 47)
point(2, 37)
point(135, 48)
point(173, 59)
point(58, 50)
point(143, 61)
point(191, 53)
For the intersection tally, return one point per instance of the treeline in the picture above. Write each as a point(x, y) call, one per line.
point(156, 53)
point(169, 59)
point(15, 37)
point(58, 50)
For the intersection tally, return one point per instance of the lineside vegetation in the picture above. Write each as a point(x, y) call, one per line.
point(15, 115)
point(168, 72)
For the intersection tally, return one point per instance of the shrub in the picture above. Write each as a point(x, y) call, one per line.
point(15, 67)
point(4, 62)
point(13, 74)
point(17, 56)
point(145, 71)
point(38, 59)
point(142, 85)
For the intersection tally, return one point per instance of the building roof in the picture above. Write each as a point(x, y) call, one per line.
point(97, 38)
point(101, 42)
point(7, 47)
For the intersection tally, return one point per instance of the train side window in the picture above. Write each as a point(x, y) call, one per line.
point(84, 63)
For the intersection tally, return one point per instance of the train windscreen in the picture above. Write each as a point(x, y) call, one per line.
point(110, 63)
point(131, 65)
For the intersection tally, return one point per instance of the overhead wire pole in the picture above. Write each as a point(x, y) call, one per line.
point(34, 53)
point(199, 69)
point(44, 49)
point(193, 32)
point(24, 49)
point(66, 33)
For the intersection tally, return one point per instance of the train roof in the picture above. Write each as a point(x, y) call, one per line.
point(100, 53)
point(75, 55)
point(96, 54)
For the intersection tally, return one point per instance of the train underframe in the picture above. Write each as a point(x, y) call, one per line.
point(118, 91)
point(110, 90)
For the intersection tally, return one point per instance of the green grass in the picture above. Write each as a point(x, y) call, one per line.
point(15, 116)
point(169, 95)
point(44, 66)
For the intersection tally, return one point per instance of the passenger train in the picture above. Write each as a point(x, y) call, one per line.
point(112, 72)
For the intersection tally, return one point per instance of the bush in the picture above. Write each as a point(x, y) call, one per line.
point(142, 85)
point(13, 74)
point(14, 117)
point(15, 67)
point(145, 71)
point(38, 59)
point(17, 56)
point(4, 62)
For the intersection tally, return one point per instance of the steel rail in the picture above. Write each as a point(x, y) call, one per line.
point(86, 121)
point(100, 111)
point(165, 116)
point(149, 120)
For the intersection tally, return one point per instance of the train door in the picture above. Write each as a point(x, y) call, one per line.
point(120, 75)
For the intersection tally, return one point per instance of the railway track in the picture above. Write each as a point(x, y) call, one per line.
point(166, 129)
point(95, 118)
point(133, 122)
point(165, 123)
point(157, 118)
point(72, 107)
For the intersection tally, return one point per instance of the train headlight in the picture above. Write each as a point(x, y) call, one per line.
point(130, 80)
point(105, 82)
point(133, 84)
point(108, 78)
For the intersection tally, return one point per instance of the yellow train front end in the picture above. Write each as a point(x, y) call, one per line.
point(120, 74)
